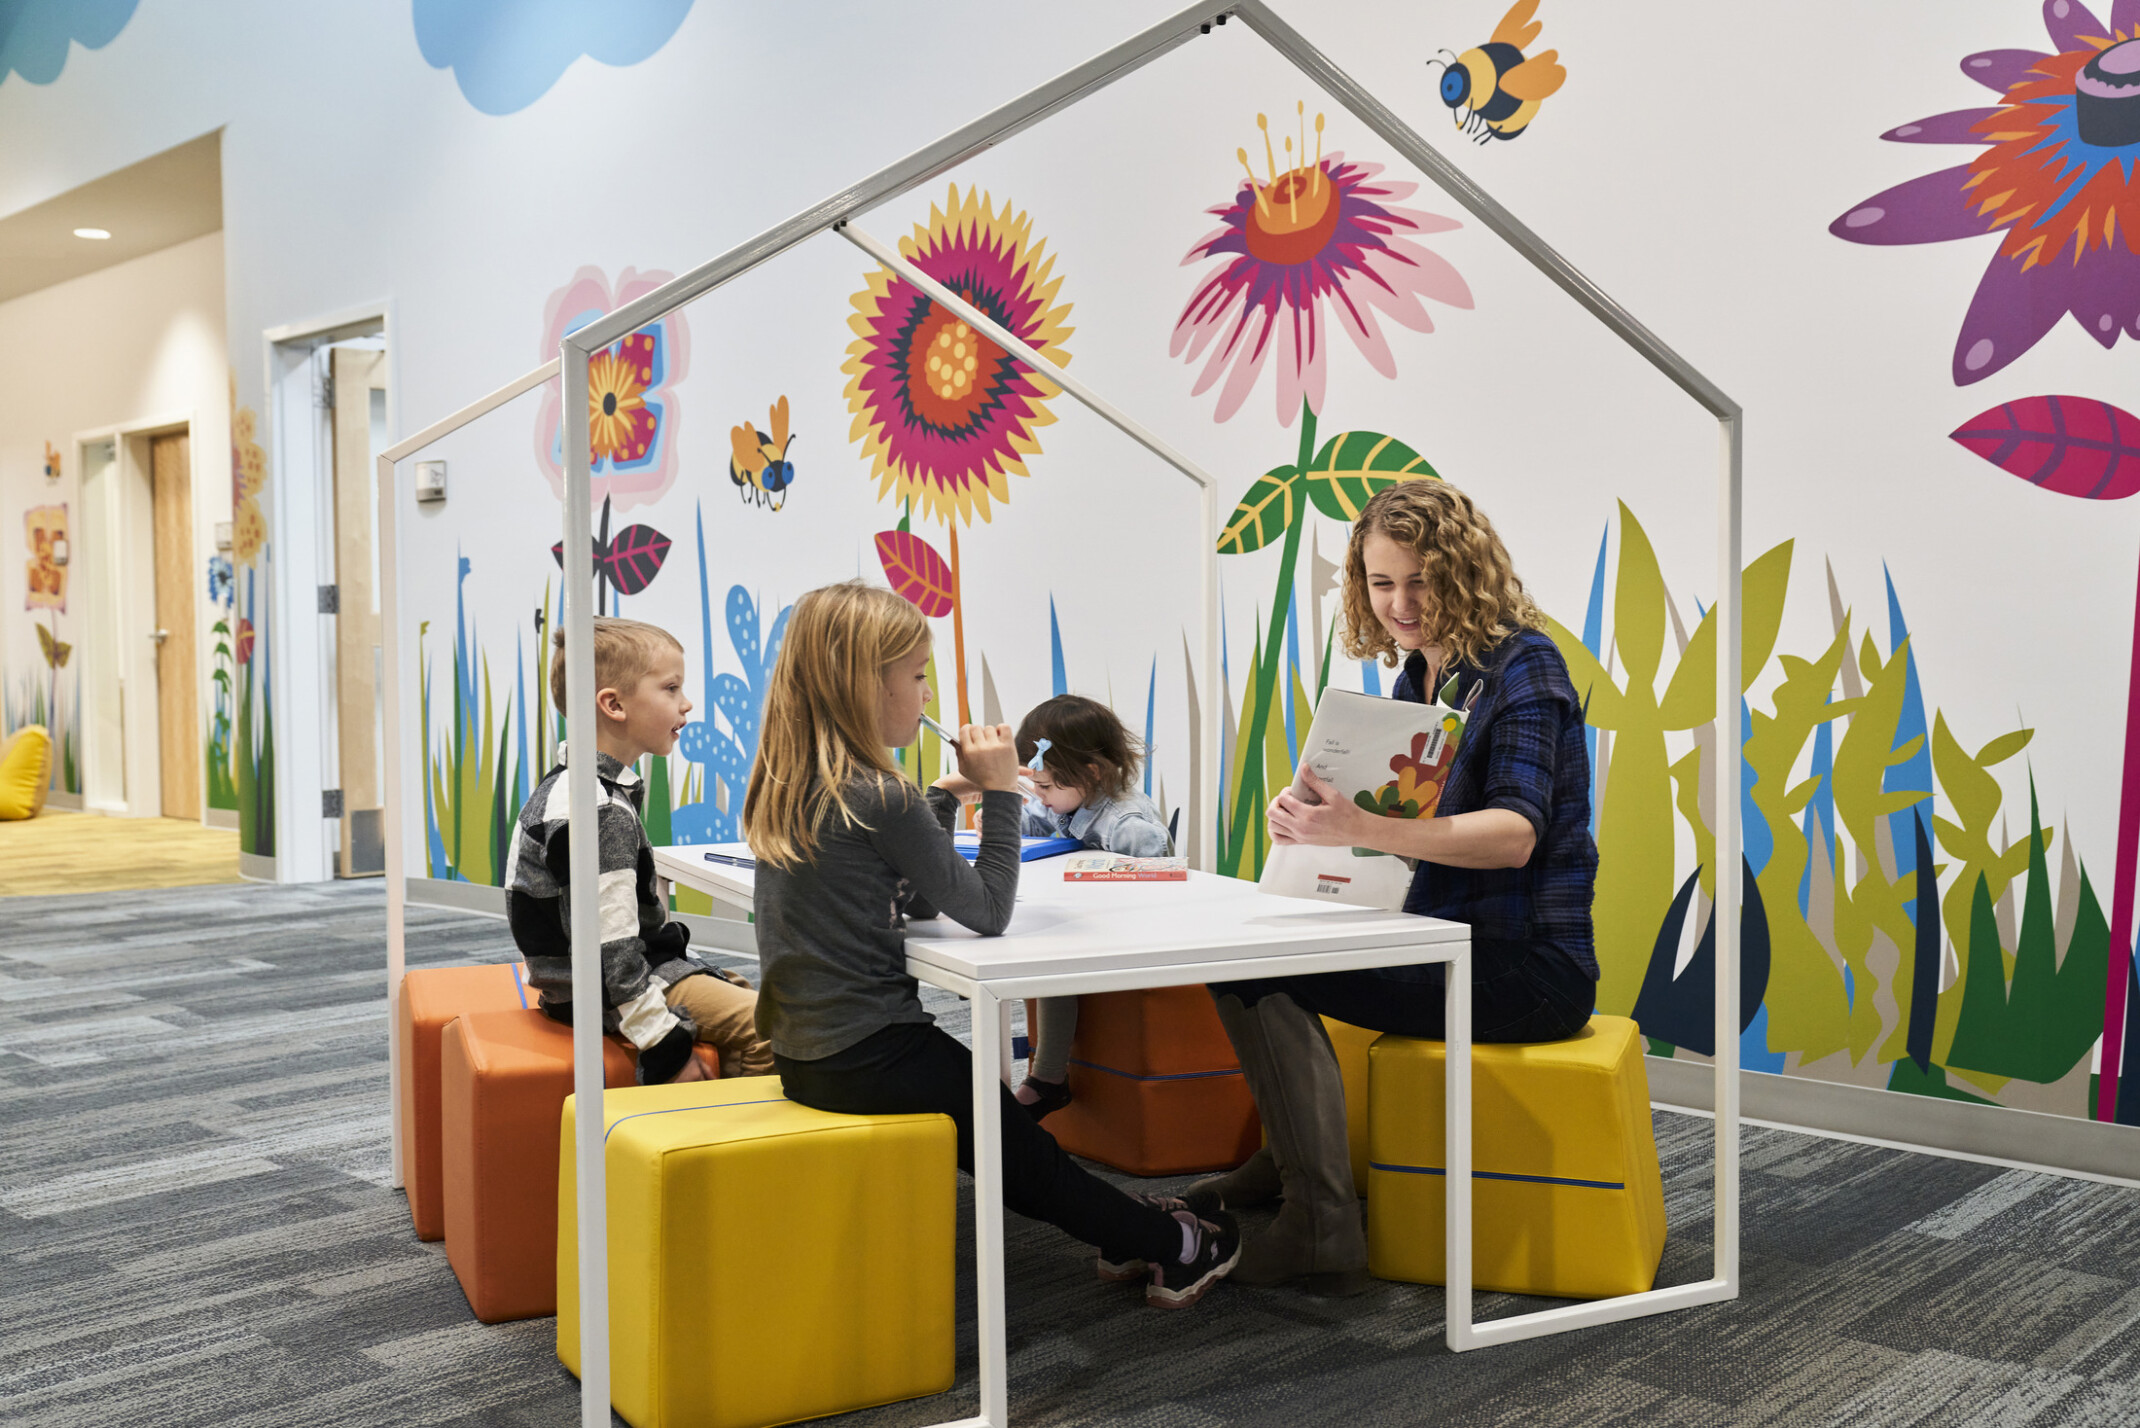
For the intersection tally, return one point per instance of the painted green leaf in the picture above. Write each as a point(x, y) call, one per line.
point(1353, 466)
point(1638, 603)
point(1999, 750)
point(1266, 512)
point(1690, 697)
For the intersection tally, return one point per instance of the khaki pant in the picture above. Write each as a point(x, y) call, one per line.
point(726, 1014)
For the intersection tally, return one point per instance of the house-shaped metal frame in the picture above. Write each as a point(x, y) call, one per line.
point(839, 214)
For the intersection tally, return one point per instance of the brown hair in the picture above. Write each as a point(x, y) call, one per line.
point(1088, 747)
point(820, 731)
point(624, 650)
point(1475, 599)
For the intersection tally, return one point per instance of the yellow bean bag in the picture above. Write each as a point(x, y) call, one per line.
point(25, 771)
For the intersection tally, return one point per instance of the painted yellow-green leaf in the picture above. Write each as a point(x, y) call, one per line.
point(1267, 511)
point(1592, 684)
point(1690, 698)
point(1638, 604)
point(1971, 789)
point(1999, 750)
point(1352, 467)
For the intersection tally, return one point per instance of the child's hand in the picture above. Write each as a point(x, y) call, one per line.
point(692, 1071)
point(988, 757)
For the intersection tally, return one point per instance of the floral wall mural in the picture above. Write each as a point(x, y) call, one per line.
point(2055, 178)
point(1322, 241)
point(944, 416)
point(253, 755)
point(634, 415)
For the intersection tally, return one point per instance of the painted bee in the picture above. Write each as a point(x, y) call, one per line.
point(760, 467)
point(1493, 88)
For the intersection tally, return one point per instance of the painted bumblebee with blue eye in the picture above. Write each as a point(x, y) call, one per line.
point(1494, 88)
point(760, 466)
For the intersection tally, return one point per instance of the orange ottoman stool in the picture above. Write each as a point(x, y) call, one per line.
point(431, 997)
point(503, 1079)
point(1157, 1087)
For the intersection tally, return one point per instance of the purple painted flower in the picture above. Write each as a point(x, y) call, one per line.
point(1322, 232)
point(2056, 177)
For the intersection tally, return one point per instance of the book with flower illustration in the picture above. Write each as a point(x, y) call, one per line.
point(1391, 757)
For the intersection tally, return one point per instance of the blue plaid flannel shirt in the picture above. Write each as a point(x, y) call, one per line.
point(1523, 749)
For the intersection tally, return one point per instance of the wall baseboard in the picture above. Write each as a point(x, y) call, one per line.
point(226, 818)
point(726, 934)
point(256, 869)
point(54, 798)
point(1926, 1122)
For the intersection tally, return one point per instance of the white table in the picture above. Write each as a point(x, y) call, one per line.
point(1066, 939)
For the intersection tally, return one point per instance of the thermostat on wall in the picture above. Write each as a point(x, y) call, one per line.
point(430, 480)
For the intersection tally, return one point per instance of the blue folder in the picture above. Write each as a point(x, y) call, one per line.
point(969, 846)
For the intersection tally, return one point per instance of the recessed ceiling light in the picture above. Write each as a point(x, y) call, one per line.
point(97, 233)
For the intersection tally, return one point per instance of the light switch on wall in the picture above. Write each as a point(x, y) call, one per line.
point(430, 480)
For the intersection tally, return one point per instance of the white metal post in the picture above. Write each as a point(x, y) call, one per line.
point(390, 791)
point(1456, 1160)
point(987, 1010)
point(585, 902)
point(1729, 869)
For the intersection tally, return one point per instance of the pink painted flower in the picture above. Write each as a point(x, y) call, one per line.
point(944, 415)
point(1321, 232)
point(633, 410)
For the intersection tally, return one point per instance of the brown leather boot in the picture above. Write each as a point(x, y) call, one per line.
point(1254, 1181)
point(1293, 1074)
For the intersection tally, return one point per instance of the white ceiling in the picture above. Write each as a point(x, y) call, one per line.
point(166, 199)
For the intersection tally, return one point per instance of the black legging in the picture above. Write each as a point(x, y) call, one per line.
point(913, 1067)
point(1520, 991)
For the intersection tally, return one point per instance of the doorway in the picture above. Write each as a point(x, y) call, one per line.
point(178, 743)
point(328, 398)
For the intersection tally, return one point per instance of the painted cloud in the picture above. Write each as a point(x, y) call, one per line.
point(506, 54)
point(34, 34)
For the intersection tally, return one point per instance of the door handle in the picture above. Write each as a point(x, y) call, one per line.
point(159, 635)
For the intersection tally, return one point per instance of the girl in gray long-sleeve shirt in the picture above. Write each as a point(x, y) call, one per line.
point(847, 851)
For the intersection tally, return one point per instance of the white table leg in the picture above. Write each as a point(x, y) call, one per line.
point(1006, 1022)
point(991, 1050)
point(1456, 1156)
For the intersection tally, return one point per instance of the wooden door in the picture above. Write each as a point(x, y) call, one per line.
point(357, 373)
point(177, 693)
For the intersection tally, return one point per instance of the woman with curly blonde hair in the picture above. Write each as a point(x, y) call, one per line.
point(1430, 587)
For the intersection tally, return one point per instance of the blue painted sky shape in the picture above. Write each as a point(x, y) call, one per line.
point(506, 54)
point(35, 34)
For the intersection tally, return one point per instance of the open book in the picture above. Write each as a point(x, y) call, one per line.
point(1391, 757)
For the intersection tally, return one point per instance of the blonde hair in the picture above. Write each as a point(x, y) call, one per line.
point(820, 731)
point(624, 650)
point(1474, 598)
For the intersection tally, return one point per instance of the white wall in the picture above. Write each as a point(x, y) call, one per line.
point(1691, 170)
point(139, 342)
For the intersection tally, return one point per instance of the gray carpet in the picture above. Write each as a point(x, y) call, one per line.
point(195, 1228)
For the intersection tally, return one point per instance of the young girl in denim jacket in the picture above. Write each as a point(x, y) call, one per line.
point(1083, 788)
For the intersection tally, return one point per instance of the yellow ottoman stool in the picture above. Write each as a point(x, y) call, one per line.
point(1566, 1196)
point(767, 1262)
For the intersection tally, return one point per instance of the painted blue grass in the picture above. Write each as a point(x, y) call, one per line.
point(1055, 649)
point(1593, 641)
point(1913, 774)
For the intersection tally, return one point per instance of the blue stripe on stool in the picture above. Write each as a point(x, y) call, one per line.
point(1171, 1076)
point(1502, 1175)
